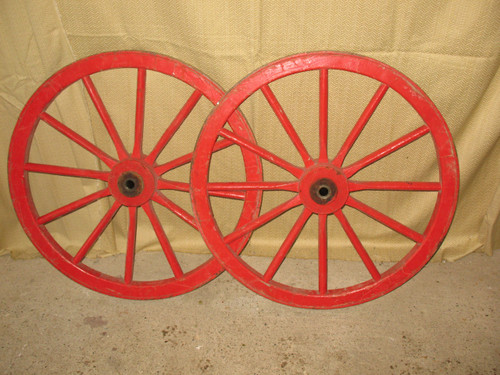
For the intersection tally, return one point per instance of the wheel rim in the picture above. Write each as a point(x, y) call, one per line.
point(324, 187)
point(134, 180)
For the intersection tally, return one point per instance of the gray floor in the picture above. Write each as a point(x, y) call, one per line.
point(443, 321)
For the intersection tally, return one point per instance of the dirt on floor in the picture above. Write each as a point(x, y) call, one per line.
point(443, 321)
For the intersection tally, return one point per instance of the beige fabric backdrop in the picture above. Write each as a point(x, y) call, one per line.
point(451, 49)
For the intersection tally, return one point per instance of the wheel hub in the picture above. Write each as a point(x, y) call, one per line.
point(323, 189)
point(132, 182)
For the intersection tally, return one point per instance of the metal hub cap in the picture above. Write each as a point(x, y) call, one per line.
point(130, 184)
point(323, 191)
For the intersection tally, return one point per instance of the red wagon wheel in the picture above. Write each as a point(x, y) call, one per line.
point(133, 180)
point(323, 186)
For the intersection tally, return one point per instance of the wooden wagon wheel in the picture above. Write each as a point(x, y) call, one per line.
point(133, 180)
point(323, 185)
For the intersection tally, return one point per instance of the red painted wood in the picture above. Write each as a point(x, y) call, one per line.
point(323, 115)
point(139, 112)
point(360, 124)
point(287, 125)
point(287, 244)
point(322, 253)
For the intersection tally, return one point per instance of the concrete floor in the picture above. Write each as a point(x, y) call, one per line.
point(443, 321)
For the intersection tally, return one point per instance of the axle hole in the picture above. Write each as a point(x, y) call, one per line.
point(324, 191)
point(130, 184)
